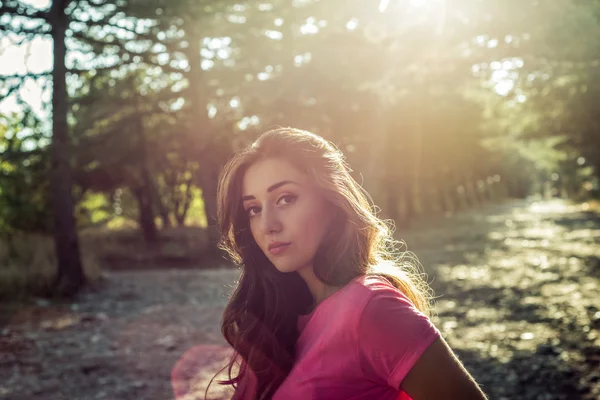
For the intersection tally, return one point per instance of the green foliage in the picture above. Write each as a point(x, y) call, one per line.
point(95, 209)
point(196, 215)
point(437, 107)
point(24, 190)
point(28, 265)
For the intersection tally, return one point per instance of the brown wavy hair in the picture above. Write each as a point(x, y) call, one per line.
point(259, 322)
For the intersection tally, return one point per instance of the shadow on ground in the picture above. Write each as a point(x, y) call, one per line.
point(518, 300)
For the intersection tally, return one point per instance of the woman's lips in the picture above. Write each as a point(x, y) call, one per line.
point(279, 249)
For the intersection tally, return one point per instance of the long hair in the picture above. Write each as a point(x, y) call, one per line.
point(259, 321)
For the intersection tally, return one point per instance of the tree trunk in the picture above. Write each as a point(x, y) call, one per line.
point(144, 192)
point(182, 210)
point(146, 215)
point(70, 276)
point(456, 196)
point(209, 177)
point(163, 212)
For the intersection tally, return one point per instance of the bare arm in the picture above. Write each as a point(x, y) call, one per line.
point(439, 375)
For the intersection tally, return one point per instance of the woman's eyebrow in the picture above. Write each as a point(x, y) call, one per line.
point(270, 189)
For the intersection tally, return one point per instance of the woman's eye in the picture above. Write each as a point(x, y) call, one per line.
point(252, 211)
point(288, 199)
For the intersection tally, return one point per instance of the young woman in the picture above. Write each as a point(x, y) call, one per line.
point(325, 307)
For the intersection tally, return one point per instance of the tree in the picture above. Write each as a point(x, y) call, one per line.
point(70, 277)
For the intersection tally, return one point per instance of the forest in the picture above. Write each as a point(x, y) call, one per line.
point(117, 116)
point(438, 106)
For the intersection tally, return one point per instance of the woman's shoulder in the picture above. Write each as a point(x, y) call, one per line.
point(363, 287)
point(393, 332)
point(348, 303)
point(364, 297)
point(384, 302)
point(368, 292)
point(373, 285)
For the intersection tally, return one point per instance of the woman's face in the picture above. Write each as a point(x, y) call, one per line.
point(288, 216)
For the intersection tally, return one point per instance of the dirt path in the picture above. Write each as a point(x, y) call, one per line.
point(519, 297)
point(518, 301)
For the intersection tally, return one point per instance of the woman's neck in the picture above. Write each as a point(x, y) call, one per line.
point(318, 289)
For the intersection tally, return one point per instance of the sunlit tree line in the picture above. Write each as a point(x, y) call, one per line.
point(439, 105)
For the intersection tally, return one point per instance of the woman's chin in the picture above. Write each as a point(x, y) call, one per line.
point(285, 268)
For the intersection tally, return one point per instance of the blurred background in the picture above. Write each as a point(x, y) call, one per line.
point(473, 124)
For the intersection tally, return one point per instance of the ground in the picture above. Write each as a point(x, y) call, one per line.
point(517, 299)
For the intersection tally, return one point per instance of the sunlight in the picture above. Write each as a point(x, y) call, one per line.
point(504, 87)
point(37, 3)
point(383, 4)
point(417, 3)
point(352, 24)
point(34, 56)
point(310, 27)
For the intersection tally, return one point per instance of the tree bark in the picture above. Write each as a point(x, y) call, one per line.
point(182, 209)
point(146, 215)
point(162, 209)
point(209, 178)
point(70, 276)
point(144, 192)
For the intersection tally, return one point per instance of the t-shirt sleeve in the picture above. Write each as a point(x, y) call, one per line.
point(392, 335)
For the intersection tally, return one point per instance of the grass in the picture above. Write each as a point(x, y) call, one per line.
point(28, 265)
point(28, 261)
point(184, 247)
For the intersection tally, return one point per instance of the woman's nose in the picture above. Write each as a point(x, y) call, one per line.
point(271, 221)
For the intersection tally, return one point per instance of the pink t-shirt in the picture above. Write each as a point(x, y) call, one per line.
point(358, 344)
